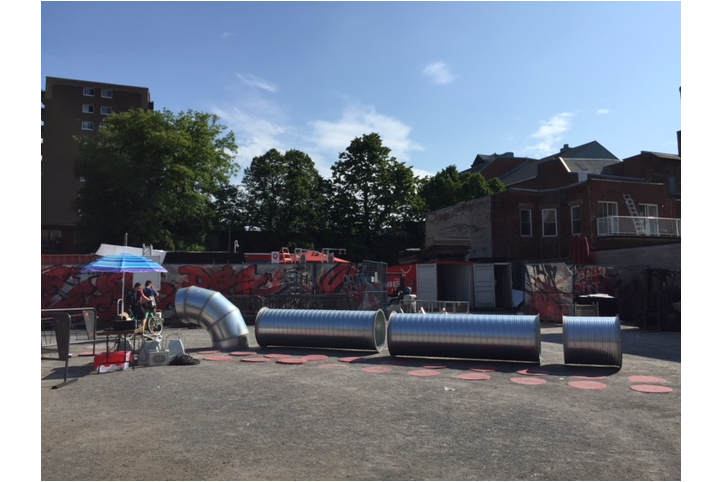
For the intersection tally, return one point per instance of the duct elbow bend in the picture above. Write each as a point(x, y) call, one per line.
point(214, 312)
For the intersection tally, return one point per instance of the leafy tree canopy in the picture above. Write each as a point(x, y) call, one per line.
point(154, 175)
point(373, 192)
point(449, 187)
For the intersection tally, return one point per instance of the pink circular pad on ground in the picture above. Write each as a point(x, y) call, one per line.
point(315, 357)
point(482, 368)
point(532, 372)
point(218, 358)
point(528, 381)
point(424, 373)
point(277, 355)
point(650, 389)
point(474, 376)
point(351, 359)
point(242, 353)
point(646, 379)
point(377, 370)
point(291, 361)
point(255, 360)
point(587, 385)
point(435, 367)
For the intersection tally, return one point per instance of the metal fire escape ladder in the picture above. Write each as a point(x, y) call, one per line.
point(638, 220)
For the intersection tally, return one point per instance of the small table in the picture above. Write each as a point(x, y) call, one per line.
point(121, 334)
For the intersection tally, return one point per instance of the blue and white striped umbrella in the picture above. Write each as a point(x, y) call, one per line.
point(123, 263)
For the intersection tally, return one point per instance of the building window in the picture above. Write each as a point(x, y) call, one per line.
point(105, 110)
point(106, 93)
point(88, 91)
point(549, 222)
point(87, 126)
point(607, 209)
point(576, 214)
point(651, 223)
point(88, 109)
point(525, 222)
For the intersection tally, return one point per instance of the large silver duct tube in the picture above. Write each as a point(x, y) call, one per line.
point(488, 337)
point(592, 340)
point(345, 329)
point(211, 310)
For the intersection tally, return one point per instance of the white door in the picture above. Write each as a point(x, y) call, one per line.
point(484, 292)
point(426, 281)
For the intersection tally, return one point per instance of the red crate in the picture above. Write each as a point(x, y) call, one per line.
point(115, 360)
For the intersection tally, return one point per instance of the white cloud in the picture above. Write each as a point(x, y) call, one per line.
point(550, 135)
point(227, 35)
point(602, 111)
point(256, 132)
point(329, 138)
point(256, 82)
point(439, 73)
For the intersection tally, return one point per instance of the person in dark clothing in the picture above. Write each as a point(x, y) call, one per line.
point(137, 299)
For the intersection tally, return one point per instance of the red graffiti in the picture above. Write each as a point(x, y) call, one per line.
point(336, 279)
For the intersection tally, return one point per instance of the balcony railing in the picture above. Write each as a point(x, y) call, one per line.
point(639, 226)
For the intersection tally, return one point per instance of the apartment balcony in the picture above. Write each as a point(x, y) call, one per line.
point(639, 226)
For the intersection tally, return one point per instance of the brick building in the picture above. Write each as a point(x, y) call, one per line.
point(70, 109)
point(549, 203)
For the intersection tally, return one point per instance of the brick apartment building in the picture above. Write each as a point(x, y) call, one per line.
point(72, 108)
point(579, 192)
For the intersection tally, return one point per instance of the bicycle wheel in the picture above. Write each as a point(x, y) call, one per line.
point(154, 324)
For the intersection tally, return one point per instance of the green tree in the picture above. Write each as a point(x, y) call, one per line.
point(229, 209)
point(282, 195)
point(153, 175)
point(373, 193)
point(449, 187)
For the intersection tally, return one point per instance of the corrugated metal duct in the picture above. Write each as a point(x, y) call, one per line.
point(592, 340)
point(211, 310)
point(345, 329)
point(480, 336)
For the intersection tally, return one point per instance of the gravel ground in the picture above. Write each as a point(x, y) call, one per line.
point(373, 419)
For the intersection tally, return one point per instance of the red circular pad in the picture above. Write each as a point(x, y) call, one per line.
point(291, 361)
point(650, 388)
point(209, 352)
point(218, 358)
point(645, 379)
point(474, 376)
point(528, 381)
point(435, 367)
point(587, 385)
point(255, 360)
point(277, 355)
point(532, 372)
point(242, 353)
point(424, 373)
point(315, 357)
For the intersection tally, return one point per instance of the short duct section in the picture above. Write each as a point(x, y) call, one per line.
point(592, 340)
point(211, 310)
point(477, 336)
point(342, 329)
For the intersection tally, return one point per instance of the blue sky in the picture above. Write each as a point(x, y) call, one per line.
point(440, 81)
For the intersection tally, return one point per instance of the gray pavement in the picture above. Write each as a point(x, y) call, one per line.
point(373, 419)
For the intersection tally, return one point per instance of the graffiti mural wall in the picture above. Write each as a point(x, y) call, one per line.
point(551, 289)
point(66, 287)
